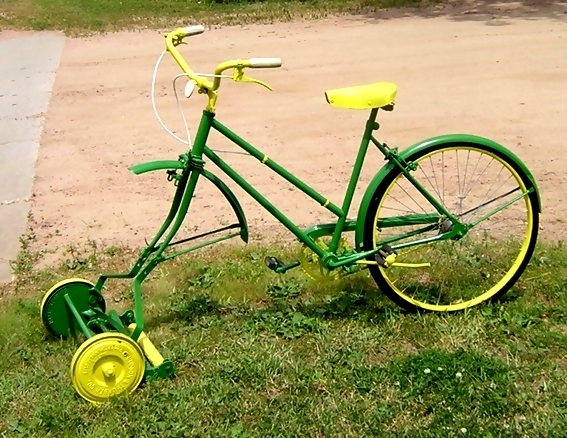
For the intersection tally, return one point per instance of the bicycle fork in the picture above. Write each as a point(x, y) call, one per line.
point(153, 254)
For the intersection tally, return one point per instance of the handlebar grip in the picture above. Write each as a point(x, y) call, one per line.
point(193, 30)
point(265, 62)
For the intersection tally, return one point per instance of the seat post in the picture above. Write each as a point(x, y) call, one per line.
point(372, 122)
point(371, 125)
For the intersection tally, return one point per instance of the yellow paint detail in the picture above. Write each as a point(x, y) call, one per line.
point(400, 265)
point(498, 286)
point(265, 159)
point(312, 265)
point(412, 265)
point(172, 40)
point(106, 365)
point(390, 260)
point(211, 105)
point(238, 76)
point(205, 86)
point(151, 352)
point(362, 97)
point(326, 203)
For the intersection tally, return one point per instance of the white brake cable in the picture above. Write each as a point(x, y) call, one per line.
point(154, 103)
point(187, 130)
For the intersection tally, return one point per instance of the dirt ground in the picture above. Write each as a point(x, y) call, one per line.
point(499, 73)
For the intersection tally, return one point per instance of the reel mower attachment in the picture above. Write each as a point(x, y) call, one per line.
point(110, 362)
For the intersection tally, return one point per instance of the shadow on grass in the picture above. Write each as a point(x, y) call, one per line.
point(287, 310)
point(489, 12)
point(290, 308)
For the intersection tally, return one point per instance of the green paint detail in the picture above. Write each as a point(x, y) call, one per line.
point(96, 320)
point(433, 143)
point(152, 166)
point(284, 268)
point(196, 247)
point(371, 125)
point(320, 230)
point(59, 317)
point(259, 155)
point(165, 370)
point(76, 318)
point(346, 260)
point(268, 206)
point(73, 315)
point(232, 200)
point(410, 219)
point(208, 122)
point(114, 321)
point(351, 258)
point(500, 208)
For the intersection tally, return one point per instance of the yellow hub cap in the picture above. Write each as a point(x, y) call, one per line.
point(106, 365)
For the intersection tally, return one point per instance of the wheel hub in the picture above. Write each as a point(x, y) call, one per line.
point(445, 226)
point(106, 365)
point(108, 370)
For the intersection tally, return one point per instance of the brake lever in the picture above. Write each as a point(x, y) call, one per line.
point(238, 76)
point(176, 40)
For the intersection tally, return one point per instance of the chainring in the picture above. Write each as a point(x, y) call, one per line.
point(312, 264)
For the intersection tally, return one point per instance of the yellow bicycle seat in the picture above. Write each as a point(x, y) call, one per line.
point(369, 96)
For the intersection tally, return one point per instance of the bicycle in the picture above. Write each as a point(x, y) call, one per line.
point(406, 248)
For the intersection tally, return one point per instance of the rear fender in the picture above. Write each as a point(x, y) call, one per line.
point(431, 144)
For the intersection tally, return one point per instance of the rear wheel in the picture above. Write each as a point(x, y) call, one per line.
point(471, 181)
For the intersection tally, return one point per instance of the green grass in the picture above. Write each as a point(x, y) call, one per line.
point(87, 16)
point(259, 355)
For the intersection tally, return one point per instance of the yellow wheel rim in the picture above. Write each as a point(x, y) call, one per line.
point(106, 365)
point(487, 294)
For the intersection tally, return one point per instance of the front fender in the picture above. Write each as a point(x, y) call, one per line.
point(152, 166)
point(232, 200)
point(429, 145)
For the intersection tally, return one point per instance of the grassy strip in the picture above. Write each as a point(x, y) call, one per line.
point(258, 355)
point(77, 17)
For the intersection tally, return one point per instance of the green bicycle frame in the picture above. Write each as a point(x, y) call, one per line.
point(192, 166)
point(200, 148)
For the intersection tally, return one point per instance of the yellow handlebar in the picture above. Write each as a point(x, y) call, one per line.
point(175, 38)
point(172, 40)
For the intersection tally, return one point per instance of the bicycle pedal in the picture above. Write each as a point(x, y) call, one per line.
point(382, 253)
point(272, 263)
